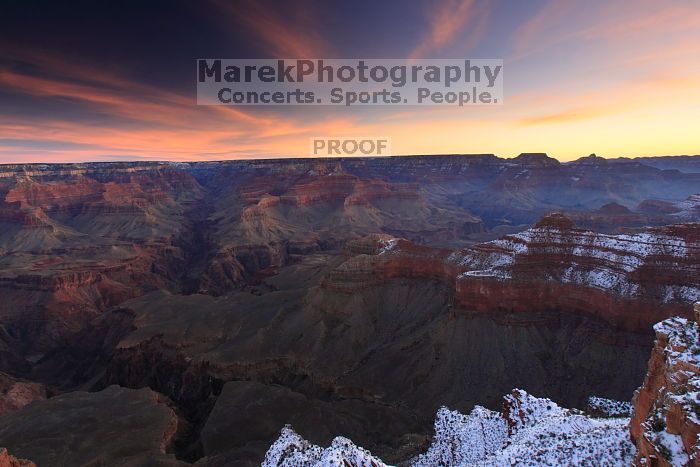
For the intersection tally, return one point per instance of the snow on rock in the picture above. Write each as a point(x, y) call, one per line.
point(291, 450)
point(387, 245)
point(344, 453)
point(522, 410)
point(601, 407)
point(532, 431)
point(568, 439)
point(529, 431)
point(464, 439)
point(689, 210)
point(554, 250)
point(666, 420)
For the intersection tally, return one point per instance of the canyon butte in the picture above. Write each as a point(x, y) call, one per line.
point(248, 312)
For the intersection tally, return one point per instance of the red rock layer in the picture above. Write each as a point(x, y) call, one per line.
point(631, 282)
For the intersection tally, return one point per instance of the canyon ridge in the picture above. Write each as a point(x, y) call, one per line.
point(241, 312)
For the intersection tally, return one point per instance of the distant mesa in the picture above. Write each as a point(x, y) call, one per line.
point(614, 208)
point(536, 159)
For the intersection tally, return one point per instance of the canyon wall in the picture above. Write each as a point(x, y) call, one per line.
point(365, 293)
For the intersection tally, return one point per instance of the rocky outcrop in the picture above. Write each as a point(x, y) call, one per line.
point(7, 460)
point(389, 258)
point(291, 450)
point(16, 393)
point(116, 426)
point(464, 439)
point(666, 421)
point(615, 218)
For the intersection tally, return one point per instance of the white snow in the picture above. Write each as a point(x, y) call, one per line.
point(673, 447)
point(291, 450)
point(606, 262)
point(689, 209)
point(535, 432)
point(464, 439)
point(609, 407)
point(387, 245)
point(568, 440)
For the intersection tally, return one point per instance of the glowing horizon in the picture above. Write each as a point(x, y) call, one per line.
point(619, 79)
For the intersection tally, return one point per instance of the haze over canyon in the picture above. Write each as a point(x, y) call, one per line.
point(197, 309)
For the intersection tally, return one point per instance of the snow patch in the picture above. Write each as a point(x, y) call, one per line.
point(608, 407)
point(532, 431)
point(291, 450)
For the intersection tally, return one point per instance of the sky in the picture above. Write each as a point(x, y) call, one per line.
point(116, 80)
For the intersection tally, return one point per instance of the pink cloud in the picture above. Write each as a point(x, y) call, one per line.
point(292, 35)
point(447, 20)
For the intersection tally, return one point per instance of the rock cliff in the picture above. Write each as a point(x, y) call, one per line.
point(666, 420)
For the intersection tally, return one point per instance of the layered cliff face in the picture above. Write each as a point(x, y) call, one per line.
point(74, 244)
point(631, 281)
point(262, 223)
point(666, 420)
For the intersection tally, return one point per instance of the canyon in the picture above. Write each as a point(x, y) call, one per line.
point(217, 302)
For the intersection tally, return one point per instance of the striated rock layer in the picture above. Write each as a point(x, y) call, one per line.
point(631, 281)
point(76, 239)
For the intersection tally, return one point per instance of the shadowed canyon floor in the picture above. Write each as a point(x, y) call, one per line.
point(349, 297)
